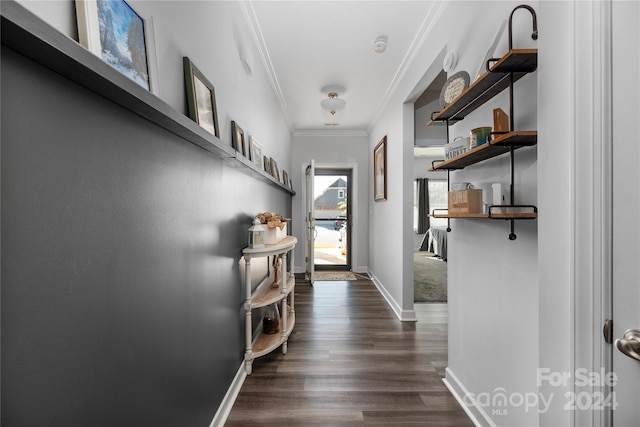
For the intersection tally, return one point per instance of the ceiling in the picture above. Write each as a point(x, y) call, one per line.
point(308, 45)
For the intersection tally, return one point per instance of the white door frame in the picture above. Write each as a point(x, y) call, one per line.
point(592, 209)
point(309, 221)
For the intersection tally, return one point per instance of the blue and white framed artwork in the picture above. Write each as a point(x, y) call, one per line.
point(116, 33)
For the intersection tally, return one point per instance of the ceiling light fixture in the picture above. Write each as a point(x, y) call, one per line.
point(380, 45)
point(332, 104)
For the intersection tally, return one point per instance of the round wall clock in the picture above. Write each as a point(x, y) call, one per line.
point(454, 86)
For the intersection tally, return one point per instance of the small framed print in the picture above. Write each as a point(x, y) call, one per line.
point(267, 164)
point(285, 178)
point(201, 98)
point(256, 153)
point(275, 172)
point(380, 171)
point(120, 36)
point(237, 138)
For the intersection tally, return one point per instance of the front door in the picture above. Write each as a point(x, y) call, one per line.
point(332, 209)
point(626, 210)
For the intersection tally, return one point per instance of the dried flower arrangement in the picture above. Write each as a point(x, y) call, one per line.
point(273, 220)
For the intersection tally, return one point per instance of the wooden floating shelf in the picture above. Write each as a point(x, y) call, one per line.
point(514, 215)
point(456, 215)
point(516, 63)
point(500, 145)
point(510, 215)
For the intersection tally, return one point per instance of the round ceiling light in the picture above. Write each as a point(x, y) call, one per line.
point(332, 104)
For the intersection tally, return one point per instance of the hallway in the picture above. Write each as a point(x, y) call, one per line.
point(350, 362)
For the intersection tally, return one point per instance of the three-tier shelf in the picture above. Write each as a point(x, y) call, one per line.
point(267, 293)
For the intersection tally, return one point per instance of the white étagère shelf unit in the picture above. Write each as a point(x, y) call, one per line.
point(266, 293)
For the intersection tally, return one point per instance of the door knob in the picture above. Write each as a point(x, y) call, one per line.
point(629, 344)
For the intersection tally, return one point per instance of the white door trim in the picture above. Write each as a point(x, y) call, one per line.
point(592, 218)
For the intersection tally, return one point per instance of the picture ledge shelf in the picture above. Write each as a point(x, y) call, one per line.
point(32, 37)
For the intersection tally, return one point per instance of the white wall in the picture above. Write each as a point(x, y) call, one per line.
point(555, 152)
point(429, 135)
point(60, 14)
point(493, 282)
point(211, 34)
point(346, 150)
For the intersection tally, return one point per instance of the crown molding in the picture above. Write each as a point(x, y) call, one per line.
point(425, 29)
point(256, 32)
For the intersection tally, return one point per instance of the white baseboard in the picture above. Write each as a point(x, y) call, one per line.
point(403, 315)
point(479, 417)
point(230, 398)
point(361, 269)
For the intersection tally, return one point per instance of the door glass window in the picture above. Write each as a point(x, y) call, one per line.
point(331, 210)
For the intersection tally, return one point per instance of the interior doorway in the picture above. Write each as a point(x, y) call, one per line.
point(430, 192)
point(333, 219)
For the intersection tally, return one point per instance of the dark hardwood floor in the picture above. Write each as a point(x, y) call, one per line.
point(351, 362)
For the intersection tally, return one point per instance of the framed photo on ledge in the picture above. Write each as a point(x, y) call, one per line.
point(121, 37)
point(256, 153)
point(380, 171)
point(201, 98)
point(275, 171)
point(237, 138)
point(267, 164)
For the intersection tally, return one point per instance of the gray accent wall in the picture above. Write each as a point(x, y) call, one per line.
point(122, 301)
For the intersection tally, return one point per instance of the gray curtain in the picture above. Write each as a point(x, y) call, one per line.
point(423, 205)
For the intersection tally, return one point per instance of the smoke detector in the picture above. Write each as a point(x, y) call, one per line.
point(380, 44)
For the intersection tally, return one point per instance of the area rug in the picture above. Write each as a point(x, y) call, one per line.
point(429, 278)
point(334, 275)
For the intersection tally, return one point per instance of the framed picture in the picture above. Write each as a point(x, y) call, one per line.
point(285, 178)
point(380, 171)
point(115, 32)
point(256, 153)
point(275, 172)
point(267, 164)
point(237, 138)
point(201, 98)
